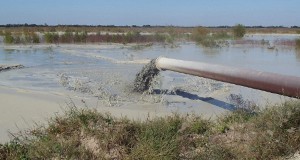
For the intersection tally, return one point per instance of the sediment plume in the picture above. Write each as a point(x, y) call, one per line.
point(144, 78)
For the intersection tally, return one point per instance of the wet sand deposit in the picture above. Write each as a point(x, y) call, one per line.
point(102, 76)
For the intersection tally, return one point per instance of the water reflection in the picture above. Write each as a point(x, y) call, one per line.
point(9, 51)
point(212, 51)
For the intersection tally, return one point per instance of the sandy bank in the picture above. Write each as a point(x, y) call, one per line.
point(20, 108)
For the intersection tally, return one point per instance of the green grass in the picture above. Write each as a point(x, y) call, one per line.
point(272, 133)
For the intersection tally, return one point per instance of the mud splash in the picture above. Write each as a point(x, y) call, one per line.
point(144, 78)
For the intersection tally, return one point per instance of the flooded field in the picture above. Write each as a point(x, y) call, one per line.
point(102, 76)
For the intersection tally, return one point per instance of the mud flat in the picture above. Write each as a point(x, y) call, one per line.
point(22, 109)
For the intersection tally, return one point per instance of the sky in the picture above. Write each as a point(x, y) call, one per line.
point(151, 12)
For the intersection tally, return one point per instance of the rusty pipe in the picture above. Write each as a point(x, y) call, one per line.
point(266, 81)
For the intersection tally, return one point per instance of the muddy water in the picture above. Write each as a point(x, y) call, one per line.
point(106, 72)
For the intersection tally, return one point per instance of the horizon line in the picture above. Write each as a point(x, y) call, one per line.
point(141, 26)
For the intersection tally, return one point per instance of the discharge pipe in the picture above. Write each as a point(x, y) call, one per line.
point(266, 81)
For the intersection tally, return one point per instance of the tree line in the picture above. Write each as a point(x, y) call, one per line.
point(133, 26)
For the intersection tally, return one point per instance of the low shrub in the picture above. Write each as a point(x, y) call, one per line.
point(67, 37)
point(80, 37)
point(8, 38)
point(239, 31)
point(30, 37)
point(35, 38)
point(51, 37)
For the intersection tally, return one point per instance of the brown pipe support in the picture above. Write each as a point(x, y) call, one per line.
point(266, 81)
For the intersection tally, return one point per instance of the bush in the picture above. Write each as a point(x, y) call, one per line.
point(35, 38)
point(80, 37)
point(8, 38)
point(30, 37)
point(67, 37)
point(199, 34)
point(239, 31)
point(132, 37)
point(27, 37)
point(51, 37)
point(17, 39)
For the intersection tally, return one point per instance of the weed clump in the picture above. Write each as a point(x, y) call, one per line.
point(30, 37)
point(67, 37)
point(80, 37)
point(8, 38)
point(51, 37)
point(239, 31)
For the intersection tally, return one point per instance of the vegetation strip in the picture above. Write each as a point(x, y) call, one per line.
point(211, 37)
point(272, 133)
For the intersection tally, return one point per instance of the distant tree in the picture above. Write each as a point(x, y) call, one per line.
point(239, 31)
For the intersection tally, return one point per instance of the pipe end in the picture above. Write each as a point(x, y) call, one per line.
point(158, 62)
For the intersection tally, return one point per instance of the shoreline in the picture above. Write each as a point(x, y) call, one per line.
point(23, 109)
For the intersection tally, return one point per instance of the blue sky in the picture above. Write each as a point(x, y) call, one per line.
point(153, 12)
